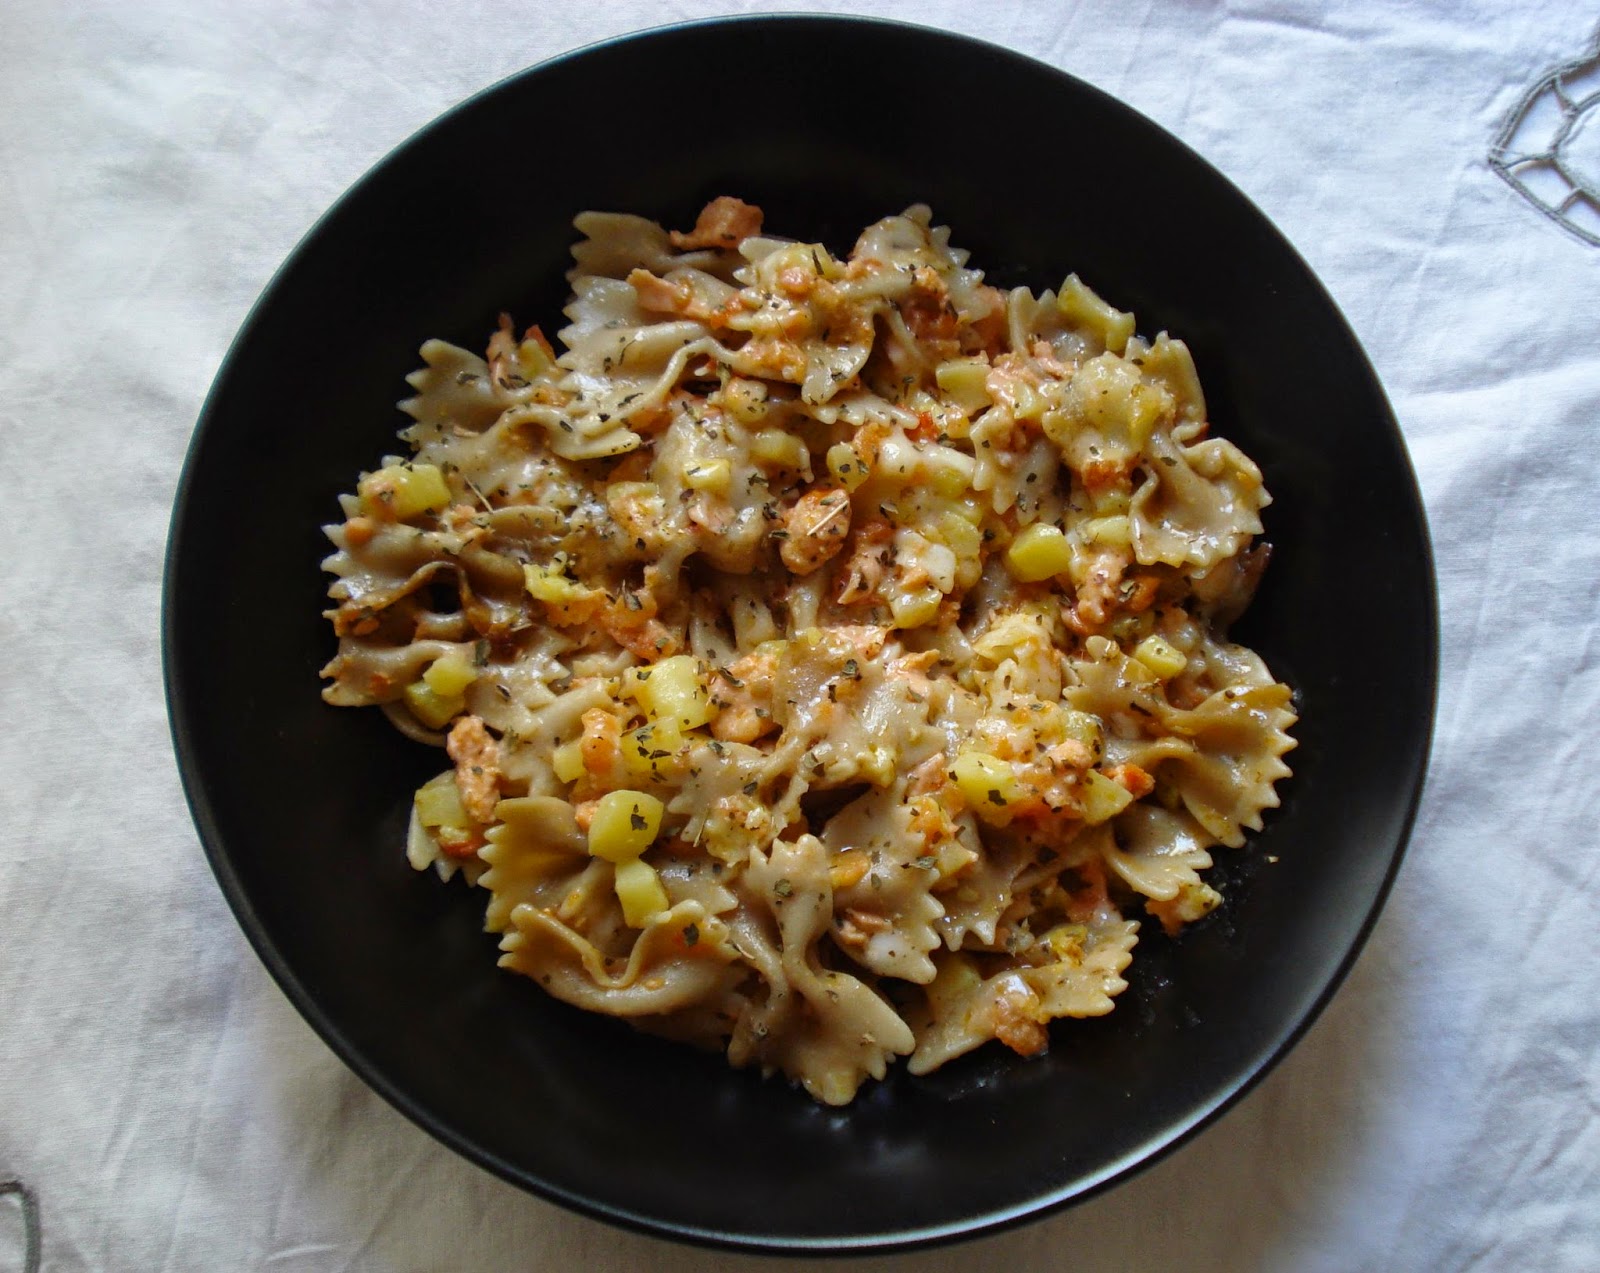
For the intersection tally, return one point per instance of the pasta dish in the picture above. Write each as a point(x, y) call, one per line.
point(830, 652)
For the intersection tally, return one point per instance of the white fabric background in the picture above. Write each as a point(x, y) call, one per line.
point(158, 161)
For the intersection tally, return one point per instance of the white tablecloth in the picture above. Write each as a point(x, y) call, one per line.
point(167, 1106)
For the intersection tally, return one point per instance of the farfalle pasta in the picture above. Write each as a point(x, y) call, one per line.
point(830, 652)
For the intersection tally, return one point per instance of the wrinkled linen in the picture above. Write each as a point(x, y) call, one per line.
point(167, 1106)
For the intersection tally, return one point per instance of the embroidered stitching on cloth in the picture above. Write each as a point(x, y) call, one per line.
point(1546, 175)
point(30, 1222)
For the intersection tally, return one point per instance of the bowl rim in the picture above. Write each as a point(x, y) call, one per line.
point(752, 1241)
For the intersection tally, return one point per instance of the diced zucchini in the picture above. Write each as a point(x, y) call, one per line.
point(640, 892)
point(433, 709)
point(449, 675)
point(1031, 404)
point(949, 471)
point(549, 583)
point(438, 803)
point(877, 766)
point(1110, 501)
point(1113, 532)
point(960, 536)
point(780, 450)
point(674, 691)
point(989, 784)
point(746, 400)
point(1103, 799)
point(651, 751)
point(1160, 656)
point(846, 465)
point(567, 761)
point(1145, 407)
point(714, 476)
point(624, 825)
point(404, 490)
point(916, 609)
point(1039, 552)
point(964, 380)
point(1084, 727)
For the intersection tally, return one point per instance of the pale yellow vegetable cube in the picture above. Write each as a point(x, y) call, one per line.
point(633, 499)
point(640, 892)
point(651, 751)
point(548, 583)
point(949, 470)
point(781, 450)
point(846, 465)
point(1113, 532)
point(1110, 501)
point(746, 400)
point(674, 690)
point(960, 536)
point(1103, 799)
point(433, 709)
point(877, 766)
point(1082, 307)
point(713, 476)
point(1031, 404)
point(1038, 553)
point(1137, 673)
point(949, 481)
point(916, 609)
point(401, 491)
point(1084, 727)
point(624, 825)
point(1143, 411)
point(1160, 656)
point(567, 761)
point(438, 803)
point(989, 784)
point(964, 380)
point(449, 675)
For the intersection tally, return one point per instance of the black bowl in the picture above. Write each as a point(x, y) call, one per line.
point(301, 807)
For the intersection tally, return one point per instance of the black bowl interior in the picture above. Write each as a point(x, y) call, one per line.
point(301, 807)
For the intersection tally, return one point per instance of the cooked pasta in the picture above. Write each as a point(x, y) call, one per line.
point(830, 653)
